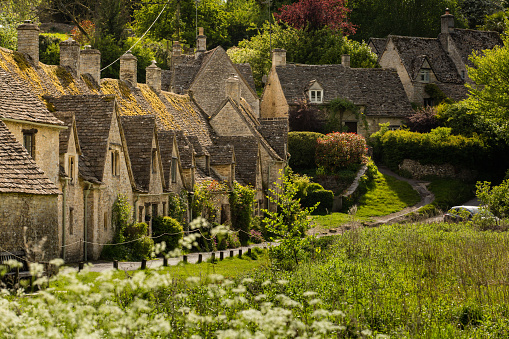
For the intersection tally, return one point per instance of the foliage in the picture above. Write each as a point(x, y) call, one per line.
point(49, 48)
point(84, 38)
point(321, 198)
point(168, 230)
point(203, 202)
point(436, 94)
point(302, 147)
point(121, 216)
point(8, 33)
point(336, 151)
point(317, 14)
point(378, 19)
point(495, 22)
point(305, 117)
point(475, 11)
point(241, 208)
point(177, 206)
point(437, 147)
point(307, 47)
point(289, 223)
point(496, 198)
point(336, 110)
point(423, 120)
point(487, 97)
point(450, 192)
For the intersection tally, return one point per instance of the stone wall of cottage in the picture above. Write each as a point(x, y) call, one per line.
point(46, 146)
point(209, 89)
point(390, 59)
point(273, 104)
point(38, 213)
point(374, 123)
point(229, 123)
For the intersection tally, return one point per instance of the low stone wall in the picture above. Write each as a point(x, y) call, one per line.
point(418, 171)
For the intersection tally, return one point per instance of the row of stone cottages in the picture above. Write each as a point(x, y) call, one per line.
point(71, 141)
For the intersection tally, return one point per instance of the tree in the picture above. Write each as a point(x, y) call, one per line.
point(495, 198)
point(423, 120)
point(496, 22)
point(304, 117)
point(489, 95)
point(317, 14)
point(12, 13)
point(475, 11)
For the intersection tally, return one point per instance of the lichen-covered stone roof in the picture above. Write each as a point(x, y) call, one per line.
point(18, 171)
point(138, 132)
point(468, 41)
point(379, 44)
point(412, 51)
point(93, 114)
point(380, 90)
point(17, 102)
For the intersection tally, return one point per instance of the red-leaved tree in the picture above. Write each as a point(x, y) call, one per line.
point(317, 14)
point(336, 151)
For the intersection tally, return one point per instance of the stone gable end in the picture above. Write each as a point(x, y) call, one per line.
point(228, 122)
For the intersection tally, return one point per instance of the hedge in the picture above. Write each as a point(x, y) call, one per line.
point(324, 197)
point(301, 146)
point(336, 151)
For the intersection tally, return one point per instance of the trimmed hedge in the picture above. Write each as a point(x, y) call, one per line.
point(437, 147)
point(336, 151)
point(302, 146)
point(324, 197)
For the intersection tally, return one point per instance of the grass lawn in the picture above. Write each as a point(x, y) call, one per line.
point(387, 195)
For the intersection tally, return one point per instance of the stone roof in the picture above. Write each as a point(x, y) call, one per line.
point(246, 155)
point(247, 73)
point(17, 102)
point(184, 72)
point(186, 150)
point(413, 51)
point(221, 155)
point(93, 114)
point(18, 171)
point(201, 176)
point(68, 119)
point(165, 139)
point(379, 44)
point(138, 133)
point(379, 90)
point(468, 41)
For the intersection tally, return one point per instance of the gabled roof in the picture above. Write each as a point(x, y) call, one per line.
point(247, 73)
point(246, 155)
point(412, 50)
point(166, 139)
point(379, 44)
point(468, 40)
point(18, 171)
point(380, 90)
point(93, 114)
point(185, 149)
point(221, 155)
point(139, 132)
point(68, 119)
point(18, 103)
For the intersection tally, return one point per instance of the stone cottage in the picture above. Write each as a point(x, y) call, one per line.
point(377, 92)
point(441, 61)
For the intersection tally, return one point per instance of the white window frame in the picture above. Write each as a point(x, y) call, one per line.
point(424, 75)
point(316, 96)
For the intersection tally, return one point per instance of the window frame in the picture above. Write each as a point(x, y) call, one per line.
point(425, 75)
point(316, 96)
point(29, 137)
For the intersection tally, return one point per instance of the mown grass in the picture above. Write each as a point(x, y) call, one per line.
point(450, 192)
point(385, 195)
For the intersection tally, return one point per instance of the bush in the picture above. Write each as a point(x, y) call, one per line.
point(143, 248)
point(336, 151)
point(305, 118)
point(325, 198)
point(135, 231)
point(302, 147)
point(424, 120)
point(241, 206)
point(49, 47)
point(168, 230)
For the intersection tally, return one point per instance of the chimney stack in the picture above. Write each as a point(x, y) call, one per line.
point(233, 88)
point(447, 22)
point(201, 42)
point(345, 60)
point(278, 57)
point(70, 55)
point(128, 69)
point(91, 63)
point(28, 40)
point(154, 77)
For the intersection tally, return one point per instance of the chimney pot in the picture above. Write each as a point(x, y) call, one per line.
point(201, 43)
point(154, 77)
point(447, 22)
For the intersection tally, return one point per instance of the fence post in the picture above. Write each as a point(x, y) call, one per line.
point(115, 264)
point(231, 254)
point(143, 264)
point(184, 258)
point(165, 261)
point(80, 266)
point(200, 258)
point(240, 254)
point(213, 256)
point(221, 255)
point(249, 252)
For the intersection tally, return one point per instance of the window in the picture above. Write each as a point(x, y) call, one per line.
point(115, 163)
point(428, 102)
point(164, 209)
point(105, 220)
point(140, 213)
point(316, 96)
point(351, 126)
point(424, 75)
point(71, 169)
point(174, 170)
point(71, 220)
point(463, 74)
point(154, 160)
point(154, 210)
point(29, 141)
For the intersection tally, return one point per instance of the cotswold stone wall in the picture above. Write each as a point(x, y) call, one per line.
point(38, 213)
point(418, 171)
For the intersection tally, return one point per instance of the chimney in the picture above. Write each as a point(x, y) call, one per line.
point(28, 40)
point(278, 57)
point(91, 63)
point(345, 60)
point(447, 22)
point(154, 77)
point(128, 69)
point(201, 43)
point(70, 55)
point(176, 49)
point(233, 88)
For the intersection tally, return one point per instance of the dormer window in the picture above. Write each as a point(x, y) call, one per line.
point(463, 75)
point(316, 96)
point(154, 160)
point(424, 75)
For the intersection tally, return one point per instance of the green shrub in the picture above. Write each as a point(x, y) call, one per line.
point(168, 230)
point(142, 249)
point(302, 146)
point(325, 198)
point(177, 206)
point(336, 151)
point(49, 48)
point(241, 206)
point(136, 231)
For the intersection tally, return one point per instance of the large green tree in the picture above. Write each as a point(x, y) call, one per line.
point(12, 13)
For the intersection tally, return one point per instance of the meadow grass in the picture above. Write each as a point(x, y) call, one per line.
point(384, 196)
